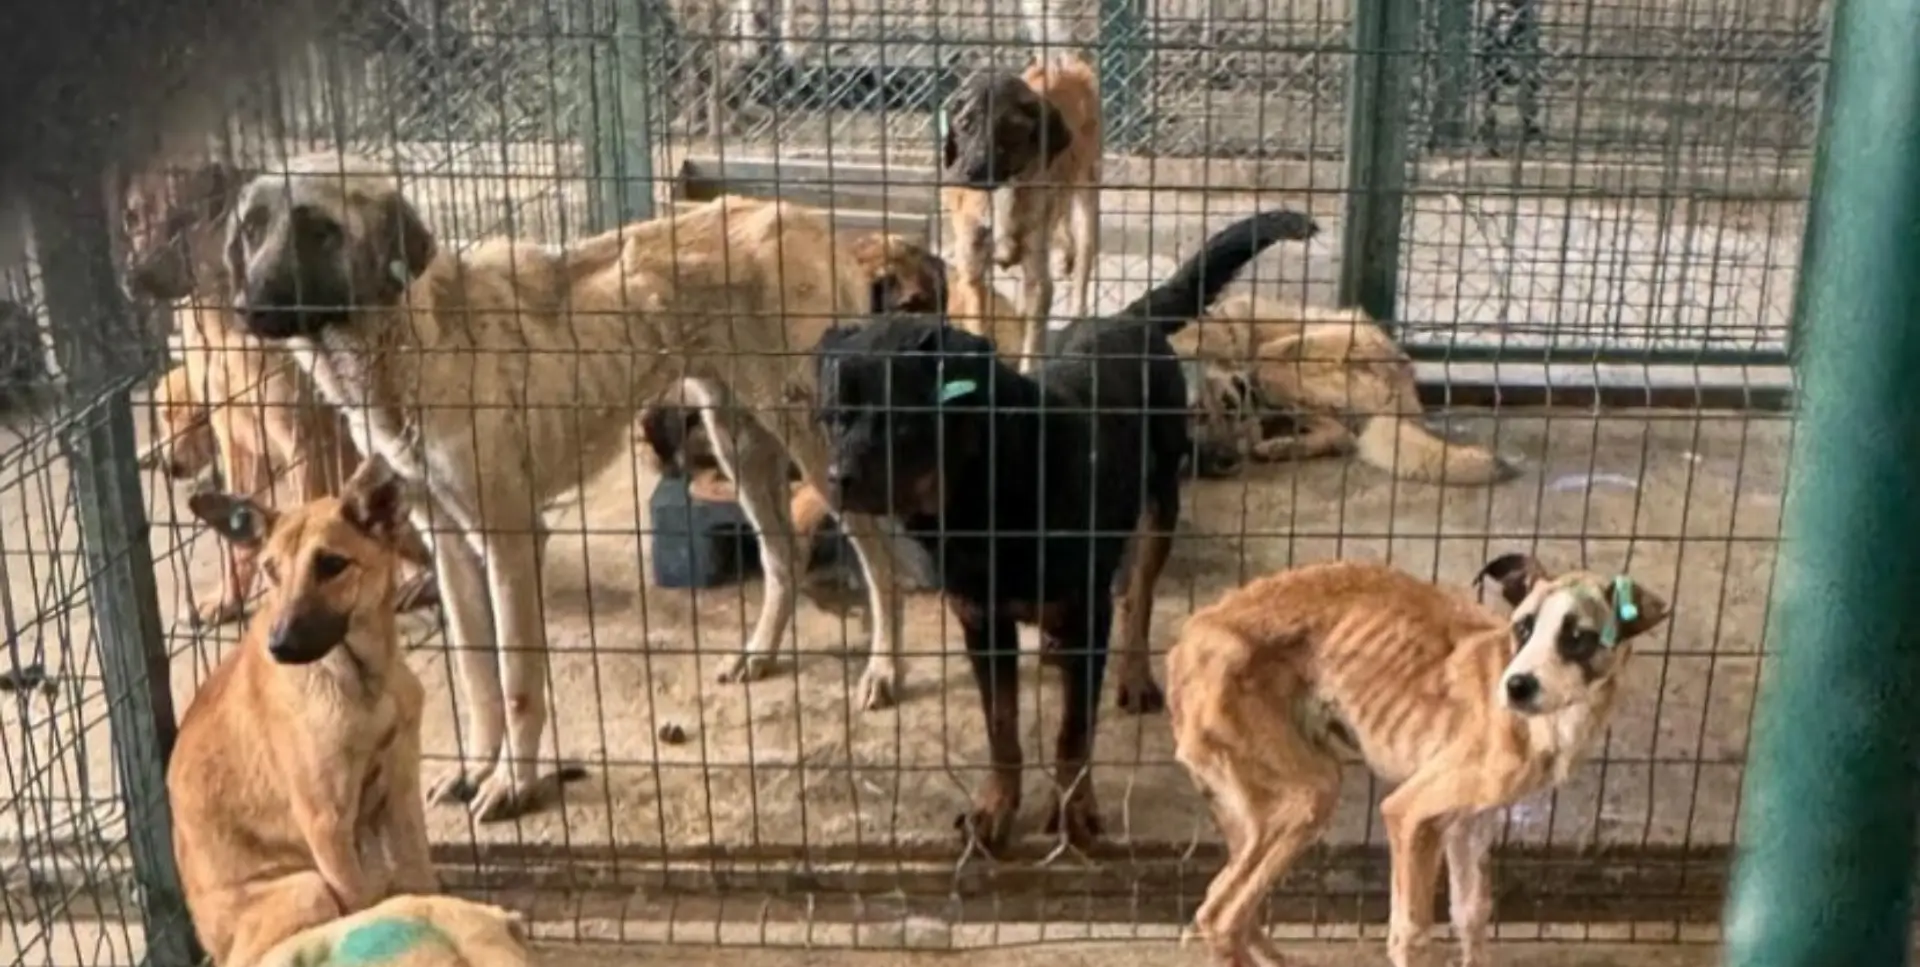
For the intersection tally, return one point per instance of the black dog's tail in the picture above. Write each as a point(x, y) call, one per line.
point(1193, 287)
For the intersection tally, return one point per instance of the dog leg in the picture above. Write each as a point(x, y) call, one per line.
point(404, 832)
point(1081, 654)
point(1270, 811)
point(1152, 545)
point(513, 545)
point(1083, 219)
point(993, 649)
point(331, 831)
point(1469, 844)
point(245, 472)
point(471, 638)
point(1414, 846)
point(880, 682)
point(1036, 303)
point(754, 458)
point(278, 910)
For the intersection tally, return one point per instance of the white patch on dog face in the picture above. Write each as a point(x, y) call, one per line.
point(1568, 642)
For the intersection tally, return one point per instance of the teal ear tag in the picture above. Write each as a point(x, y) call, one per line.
point(940, 123)
point(1623, 609)
point(240, 521)
point(957, 389)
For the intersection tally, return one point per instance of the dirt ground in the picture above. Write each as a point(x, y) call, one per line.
point(1692, 500)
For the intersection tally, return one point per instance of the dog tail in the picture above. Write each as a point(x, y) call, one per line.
point(1199, 281)
point(1405, 448)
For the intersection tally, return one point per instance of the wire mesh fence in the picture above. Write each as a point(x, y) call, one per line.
point(1630, 222)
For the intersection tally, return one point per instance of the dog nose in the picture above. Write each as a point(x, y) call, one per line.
point(1522, 689)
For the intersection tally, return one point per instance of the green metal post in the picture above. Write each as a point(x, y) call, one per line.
point(621, 78)
point(1122, 71)
point(1453, 47)
point(97, 343)
point(1380, 84)
point(1824, 876)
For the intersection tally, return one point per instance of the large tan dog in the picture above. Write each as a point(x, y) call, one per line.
point(1023, 156)
point(295, 783)
point(1465, 709)
point(500, 379)
point(411, 931)
point(268, 424)
point(1284, 381)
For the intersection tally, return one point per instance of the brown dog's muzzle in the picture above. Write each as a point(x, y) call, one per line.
point(303, 636)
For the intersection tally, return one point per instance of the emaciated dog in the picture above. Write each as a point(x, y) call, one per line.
point(1027, 490)
point(502, 378)
point(295, 782)
point(1465, 710)
point(1021, 156)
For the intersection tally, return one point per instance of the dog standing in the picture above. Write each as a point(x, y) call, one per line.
point(1465, 710)
point(295, 783)
point(1288, 382)
point(1026, 497)
point(265, 418)
point(411, 931)
point(1022, 155)
point(500, 379)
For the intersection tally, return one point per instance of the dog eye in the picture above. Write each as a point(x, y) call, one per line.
point(328, 565)
point(1523, 629)
point(1581, 644)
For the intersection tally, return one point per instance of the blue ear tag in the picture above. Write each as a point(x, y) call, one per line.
point(1623, 609)
point(399, 271)
point(957, 389)
point(940, 123)
point(240, 520)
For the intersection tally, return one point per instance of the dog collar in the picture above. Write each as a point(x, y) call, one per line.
point(1624, 610)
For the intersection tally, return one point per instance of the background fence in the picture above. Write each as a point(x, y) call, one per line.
point(1645, 241)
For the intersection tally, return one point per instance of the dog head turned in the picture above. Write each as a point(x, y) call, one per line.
point(310, 246)
point(902, 276)
point(331, 564)
point(901, 400)
point(185, 447)
point(996, 129)
point(1572, 634)
point(176, 221)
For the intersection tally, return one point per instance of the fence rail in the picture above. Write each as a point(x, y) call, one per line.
point(1642, 245)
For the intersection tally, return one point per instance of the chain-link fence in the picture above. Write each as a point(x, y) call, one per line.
point(1629, 222)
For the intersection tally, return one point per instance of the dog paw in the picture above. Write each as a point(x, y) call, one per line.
point(744, 668)
point(1143, 697)
point(452, 786)
point(1079, 819)
point(218, 613)
point(877, 687)
point(989, 829)
point(499, 798)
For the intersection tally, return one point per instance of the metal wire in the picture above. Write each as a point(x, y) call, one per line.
point(1618, 281)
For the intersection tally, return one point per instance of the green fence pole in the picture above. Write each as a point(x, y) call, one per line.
point(621, 74)
point(1379, 86)
point(1824, 875)
point(1122, 72)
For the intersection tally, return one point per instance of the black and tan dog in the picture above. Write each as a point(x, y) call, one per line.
point(1021, 156)
point(1026, 496)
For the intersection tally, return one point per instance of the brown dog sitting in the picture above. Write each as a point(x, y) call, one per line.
point(1465, 709)
point(295, 783)
point(1021, 159)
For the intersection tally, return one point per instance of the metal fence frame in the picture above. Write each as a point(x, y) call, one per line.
point(623, 128)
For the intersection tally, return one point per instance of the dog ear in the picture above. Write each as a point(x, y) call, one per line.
point(1050, 127)
point(375, 498)
point(1637, 609)
point(404, 244)
point(236, 257)
point(238, 520)
point(1516, 574)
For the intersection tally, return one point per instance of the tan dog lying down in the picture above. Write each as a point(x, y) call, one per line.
point(411, 931)
point(1465, 709)
point(295, 783)
point(1278, 380)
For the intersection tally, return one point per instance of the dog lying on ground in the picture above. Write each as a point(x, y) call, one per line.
point(1026, 497)
point(1466, 710)
point(1023, 158)
point(515, 371)
point(295, 782)
point(411, 931)
point(266, 420)
point(1278, 381)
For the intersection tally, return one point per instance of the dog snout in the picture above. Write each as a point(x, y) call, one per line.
point(303, 636)
point(1523, 690)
